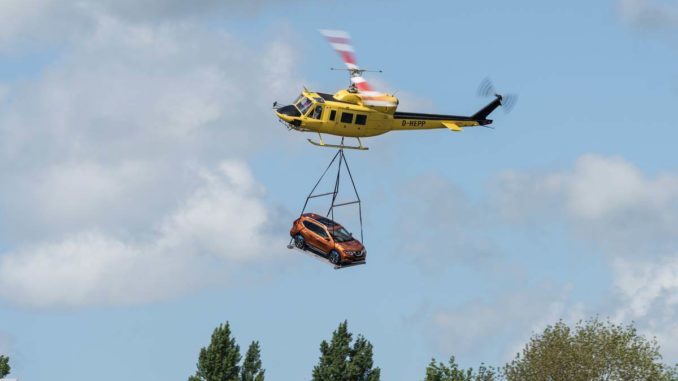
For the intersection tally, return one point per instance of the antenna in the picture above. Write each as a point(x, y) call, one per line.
point(357, 71)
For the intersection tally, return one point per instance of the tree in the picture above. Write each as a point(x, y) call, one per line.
point(219, 361)
point(4, 366)
point(341, 362)
point(360, 364)
point(593, 350)
point(452, 372)
point(251, 366)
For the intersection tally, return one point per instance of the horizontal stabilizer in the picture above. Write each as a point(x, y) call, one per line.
point(452, 126)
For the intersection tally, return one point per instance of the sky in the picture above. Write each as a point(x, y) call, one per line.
point(147, 189)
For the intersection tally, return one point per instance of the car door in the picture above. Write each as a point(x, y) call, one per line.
point(326, 243)
point(315, 236)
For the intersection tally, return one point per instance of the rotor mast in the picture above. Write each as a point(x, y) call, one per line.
point(355, 76)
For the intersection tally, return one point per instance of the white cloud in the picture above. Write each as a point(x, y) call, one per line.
point(124, 160)
point(605, 199)
point(631, 217)
point(644, 284)
point(225, 217)
point(607, 202)
point(459, 233)
point(220, 227)
point(650, 14)
point(25, 23)
point(647, 292)
point(77, 192)
point(481, 327)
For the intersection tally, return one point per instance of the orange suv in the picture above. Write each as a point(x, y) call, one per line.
point(328, 238)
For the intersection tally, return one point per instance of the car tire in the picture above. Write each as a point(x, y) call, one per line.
point(335, 258)
point(299, 242)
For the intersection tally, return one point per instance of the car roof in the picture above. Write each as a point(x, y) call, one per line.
point(323, 220)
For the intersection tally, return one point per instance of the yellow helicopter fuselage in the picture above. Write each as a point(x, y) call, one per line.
point(346, 114)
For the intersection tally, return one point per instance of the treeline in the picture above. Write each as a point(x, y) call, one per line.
point(591, 350)
point(340, 359)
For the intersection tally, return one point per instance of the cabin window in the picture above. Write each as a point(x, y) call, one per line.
point(303, 105)
point(333, 114)
point(317, 113)
point(346, 117)
point(361, 119)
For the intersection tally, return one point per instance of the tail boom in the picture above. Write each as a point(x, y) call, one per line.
point(487, 110)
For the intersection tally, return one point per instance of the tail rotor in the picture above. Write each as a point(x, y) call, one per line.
point(486, 89)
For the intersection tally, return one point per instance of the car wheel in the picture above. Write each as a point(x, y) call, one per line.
point(299, 242)
point(335, 258)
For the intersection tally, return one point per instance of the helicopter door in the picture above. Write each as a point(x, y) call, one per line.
point(317, 113)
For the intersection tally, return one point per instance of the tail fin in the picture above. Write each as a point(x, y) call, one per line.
point(487, 110)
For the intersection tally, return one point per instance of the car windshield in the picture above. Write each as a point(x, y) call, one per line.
point(303, 105)
point(341, 235)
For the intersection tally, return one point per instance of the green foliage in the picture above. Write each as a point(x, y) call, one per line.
point(452, 372)
point(251, 366)
point(593, 350)
point(4, 366)
point(360, 364)
point(219, 361)
point(339, 361)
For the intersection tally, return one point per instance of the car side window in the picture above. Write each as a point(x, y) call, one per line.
point(315, 229)
point(361, 119)
point(321, 232)
point(346, 117)
point(333, 114)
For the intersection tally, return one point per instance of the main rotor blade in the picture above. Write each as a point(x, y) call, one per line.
point(341, 42)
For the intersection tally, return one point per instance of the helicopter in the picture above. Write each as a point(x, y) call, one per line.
point(360, 111)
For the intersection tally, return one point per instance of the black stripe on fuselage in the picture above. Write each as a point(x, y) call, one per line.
point(416, 115)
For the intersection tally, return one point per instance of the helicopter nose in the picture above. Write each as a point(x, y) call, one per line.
point(289, 110)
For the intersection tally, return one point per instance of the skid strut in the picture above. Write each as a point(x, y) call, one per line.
point(339, 146)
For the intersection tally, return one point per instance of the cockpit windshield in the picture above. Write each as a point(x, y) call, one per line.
point(303, 105)
point(341, 235)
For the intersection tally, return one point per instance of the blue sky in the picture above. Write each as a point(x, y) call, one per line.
point(148, 189)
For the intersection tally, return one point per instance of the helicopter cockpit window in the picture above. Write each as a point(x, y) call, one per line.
point(317, 112)
point(303, 105)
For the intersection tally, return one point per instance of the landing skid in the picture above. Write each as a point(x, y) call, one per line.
point(339, 146)
point(324, 259)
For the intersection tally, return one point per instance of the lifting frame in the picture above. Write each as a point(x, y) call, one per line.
point(334, 193)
